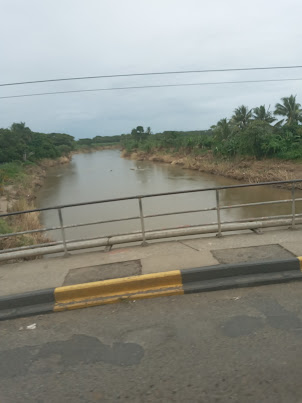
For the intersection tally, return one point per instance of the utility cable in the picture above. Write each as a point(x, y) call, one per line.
point(150, 74)
point(149, 86)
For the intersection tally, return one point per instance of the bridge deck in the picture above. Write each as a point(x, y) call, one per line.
point(95, 265)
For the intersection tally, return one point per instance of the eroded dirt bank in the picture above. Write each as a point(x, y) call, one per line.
point(243, 169)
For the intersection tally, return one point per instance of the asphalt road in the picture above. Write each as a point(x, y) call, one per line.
point(229, 346)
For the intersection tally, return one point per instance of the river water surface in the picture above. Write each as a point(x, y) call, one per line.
point(105, 175)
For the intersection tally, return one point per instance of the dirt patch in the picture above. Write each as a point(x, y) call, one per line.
point(3, 204)
point(25, 190)
point(103, 272)
point(20, 195)
point(263, 253)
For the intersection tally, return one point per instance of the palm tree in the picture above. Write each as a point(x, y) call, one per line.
point(20, 129)
point(242, 116)
point(223, 128)
point(260, 113)
point(290, 108)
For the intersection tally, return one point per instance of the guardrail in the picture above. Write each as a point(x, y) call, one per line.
point(144, 235)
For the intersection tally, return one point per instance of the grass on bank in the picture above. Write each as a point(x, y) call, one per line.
point(19, 223)
point(11, 173)
point(16, 185)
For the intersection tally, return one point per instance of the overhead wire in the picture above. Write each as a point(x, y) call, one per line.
point(148, 86)
point(150, 74)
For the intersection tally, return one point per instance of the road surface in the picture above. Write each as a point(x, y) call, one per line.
point(229, 346)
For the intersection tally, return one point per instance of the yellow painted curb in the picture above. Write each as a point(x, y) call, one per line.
point(122, 289)
point(113, 300)
point(110, 291)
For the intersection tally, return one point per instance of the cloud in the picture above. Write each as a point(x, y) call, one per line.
point(60, 39)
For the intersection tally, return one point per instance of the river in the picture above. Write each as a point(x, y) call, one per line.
point(104, 174)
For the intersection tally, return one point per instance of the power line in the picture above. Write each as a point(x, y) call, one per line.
point(150, 74)
point(150, 86)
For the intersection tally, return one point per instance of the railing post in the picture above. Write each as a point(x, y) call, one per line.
point(144, 243)
point(293, 206)
point(63, 232)
point(219, 234)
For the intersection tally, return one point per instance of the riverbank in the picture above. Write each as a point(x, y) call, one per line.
point(23, 185)
point(18, 192)
point(247, 170)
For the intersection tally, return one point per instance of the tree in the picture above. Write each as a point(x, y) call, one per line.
point(60, 139)
point(138, 133)
point(22, 131)
point(12, 147)
point(39, 147)
point(18, 127)
point(106, 139)
point(253, 138)
point(19, 143)
point(290, 109)
point(242, 116)
point(85, 142)
point(222, 129)
point(263, 114)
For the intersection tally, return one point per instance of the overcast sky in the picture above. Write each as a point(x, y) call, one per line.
point(63, 38)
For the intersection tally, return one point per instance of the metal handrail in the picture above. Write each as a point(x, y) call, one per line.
point(218, 207)
point(61, 206)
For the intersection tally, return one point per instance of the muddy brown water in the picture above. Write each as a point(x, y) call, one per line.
point(105, 175)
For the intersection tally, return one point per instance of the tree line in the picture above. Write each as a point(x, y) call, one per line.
point(98, 140)
point(170, 140)
point(252, 132)
point(19, 143)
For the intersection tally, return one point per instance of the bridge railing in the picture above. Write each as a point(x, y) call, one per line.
point(143, 235)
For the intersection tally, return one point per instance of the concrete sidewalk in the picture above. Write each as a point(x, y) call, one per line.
point(156, 257)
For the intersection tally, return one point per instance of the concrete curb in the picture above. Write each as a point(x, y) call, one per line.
point(27, 304)
point(176, 282)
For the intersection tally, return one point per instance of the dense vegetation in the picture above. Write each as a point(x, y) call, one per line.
point(98, 141)
point(249, 132)
point(19, 143)
point(19, 147)
point(171, 141)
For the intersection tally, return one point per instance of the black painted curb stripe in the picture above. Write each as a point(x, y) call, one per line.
point(28, 298)
point(26, 304)
point(242, 281)
point(231, 270)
